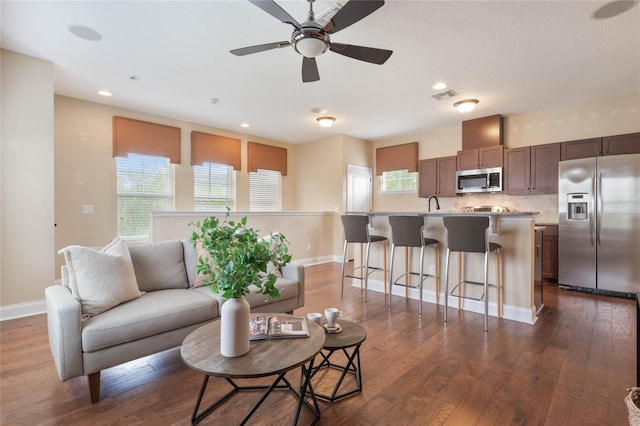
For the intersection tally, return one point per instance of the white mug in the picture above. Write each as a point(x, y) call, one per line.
point(331, 314)
point(315, 317)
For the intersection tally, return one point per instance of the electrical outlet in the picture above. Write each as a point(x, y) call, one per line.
point(432, 270)
point(87, 209)
point(308, 246)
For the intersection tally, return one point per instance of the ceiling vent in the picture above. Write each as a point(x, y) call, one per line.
point(444, 95)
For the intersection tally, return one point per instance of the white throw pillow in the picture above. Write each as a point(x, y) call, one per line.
point(101, 279)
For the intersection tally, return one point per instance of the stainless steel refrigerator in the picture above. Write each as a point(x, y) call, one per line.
point(599, 224)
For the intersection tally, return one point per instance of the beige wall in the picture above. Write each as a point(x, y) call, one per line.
point(26, 201)
point(85, 170)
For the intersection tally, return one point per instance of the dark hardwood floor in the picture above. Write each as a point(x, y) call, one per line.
point(571, 368)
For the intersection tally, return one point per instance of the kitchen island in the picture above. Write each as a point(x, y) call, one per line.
point(514, 231)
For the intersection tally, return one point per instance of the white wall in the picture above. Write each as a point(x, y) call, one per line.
point(26, 200)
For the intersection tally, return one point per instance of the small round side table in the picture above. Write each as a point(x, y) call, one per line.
point(348, 341)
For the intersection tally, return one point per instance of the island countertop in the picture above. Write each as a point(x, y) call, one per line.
point(438, 213)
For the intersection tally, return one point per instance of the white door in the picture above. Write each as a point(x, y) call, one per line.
point(359, 189)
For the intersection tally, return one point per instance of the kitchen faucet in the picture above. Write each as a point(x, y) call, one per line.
point(437, 203)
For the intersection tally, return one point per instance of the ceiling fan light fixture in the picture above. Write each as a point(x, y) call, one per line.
point(310, 44)
point(325, 121)
point(466, 105)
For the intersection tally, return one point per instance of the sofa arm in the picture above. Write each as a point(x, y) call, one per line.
point(295, 272)
point(65, 331)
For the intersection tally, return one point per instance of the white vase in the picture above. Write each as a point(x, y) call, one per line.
point(234, 327)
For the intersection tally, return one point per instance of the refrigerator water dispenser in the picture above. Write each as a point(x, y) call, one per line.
point(577, 206)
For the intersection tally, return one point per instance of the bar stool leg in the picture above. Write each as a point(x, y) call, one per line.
point(446, 284)
point(384, 264)
point(436, 259)
point(361, 266)
point(421, 275)
point(366, 272)
point(344, 262)
point(393, 252)
point(406, 272)
point(460, 258)
point(486, 290)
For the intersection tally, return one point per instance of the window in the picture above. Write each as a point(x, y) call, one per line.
point(399, 181)
point(144, 185)
point(212, 187)
point(264, 190)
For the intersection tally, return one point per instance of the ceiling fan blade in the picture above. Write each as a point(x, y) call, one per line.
point(309, 70)
point(260, 48)
point(273, 9)
point(351, 13)
point(367, 54)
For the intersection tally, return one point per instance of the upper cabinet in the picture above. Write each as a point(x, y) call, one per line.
point(437, 176)
point(482, 132)
point(610, 145)
point(531, 170)
point(480, 158)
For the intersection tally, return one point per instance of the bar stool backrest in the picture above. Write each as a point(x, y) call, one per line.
point(356, 228)
point(467, 233)
point(406, 231)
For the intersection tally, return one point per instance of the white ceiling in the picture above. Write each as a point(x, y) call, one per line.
point(514, 56)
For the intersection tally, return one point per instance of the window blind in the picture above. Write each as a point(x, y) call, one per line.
point(212, 187)
point(143, 185)
point(266, 157)
point(208, 148)
point(141, 137)
point(397, 157)
point(265, 191)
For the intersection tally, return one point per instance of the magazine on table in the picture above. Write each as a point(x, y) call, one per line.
point(263, 327)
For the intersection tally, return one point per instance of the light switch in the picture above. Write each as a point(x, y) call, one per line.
point(87, 209)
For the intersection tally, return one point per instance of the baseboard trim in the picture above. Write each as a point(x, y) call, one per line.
point(20, 310)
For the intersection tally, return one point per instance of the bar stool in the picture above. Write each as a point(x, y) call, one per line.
point(356, 230)
point(469, 234)
point(407, 231)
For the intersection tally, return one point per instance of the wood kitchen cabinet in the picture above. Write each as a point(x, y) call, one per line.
point(609, 145)
point(531, 170)
point(550, 252)
point(480, 158)
point(437, 176)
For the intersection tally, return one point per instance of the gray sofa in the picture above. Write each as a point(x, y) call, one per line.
point(170, 308)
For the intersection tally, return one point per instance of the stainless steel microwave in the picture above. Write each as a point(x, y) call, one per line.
point(480, 180)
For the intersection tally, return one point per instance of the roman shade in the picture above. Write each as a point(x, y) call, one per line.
point(397, 157)
point(141, 137)
point(266, 157)
point(210, 148)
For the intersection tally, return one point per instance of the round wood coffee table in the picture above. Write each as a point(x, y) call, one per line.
point(201, 352)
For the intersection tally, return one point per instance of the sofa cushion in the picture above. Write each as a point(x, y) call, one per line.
point(154, 313)
point(101, 279)
point(159, 266)
point(288, 290)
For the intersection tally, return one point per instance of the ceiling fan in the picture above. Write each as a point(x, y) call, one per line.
point(311, 39)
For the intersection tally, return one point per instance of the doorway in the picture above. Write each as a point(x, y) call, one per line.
point(359, 189)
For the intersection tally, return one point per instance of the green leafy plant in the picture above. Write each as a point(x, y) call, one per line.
point(238, 257)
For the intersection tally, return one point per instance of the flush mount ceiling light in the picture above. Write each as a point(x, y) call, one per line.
point(439, 86)
point(325, 121)
point(466, 105)
point(104, 93)
point(85, 33)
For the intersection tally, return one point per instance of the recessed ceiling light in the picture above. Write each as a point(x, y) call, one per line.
point(85, 33)
point(439, 86)
point(104, 93)
point(613, 8)
point(244, 125)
